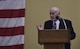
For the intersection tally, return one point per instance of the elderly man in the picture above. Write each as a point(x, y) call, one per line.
point(57, 22)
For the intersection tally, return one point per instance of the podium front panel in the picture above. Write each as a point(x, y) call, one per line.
point(53, 36)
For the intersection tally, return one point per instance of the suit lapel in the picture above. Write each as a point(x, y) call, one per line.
point(61, 25)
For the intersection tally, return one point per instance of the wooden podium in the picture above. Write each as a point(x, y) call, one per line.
point(53, 39)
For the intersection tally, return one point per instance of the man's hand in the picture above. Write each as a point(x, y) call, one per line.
point(40, 27)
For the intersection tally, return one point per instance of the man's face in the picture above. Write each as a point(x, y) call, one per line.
point(53, 14)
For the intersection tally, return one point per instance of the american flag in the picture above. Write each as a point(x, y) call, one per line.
point(12, 14)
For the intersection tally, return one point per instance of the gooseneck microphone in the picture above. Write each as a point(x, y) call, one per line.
point(63, 21)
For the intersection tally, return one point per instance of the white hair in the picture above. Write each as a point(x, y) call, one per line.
point(55, 9)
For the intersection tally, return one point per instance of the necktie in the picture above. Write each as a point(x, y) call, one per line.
point(54, 26)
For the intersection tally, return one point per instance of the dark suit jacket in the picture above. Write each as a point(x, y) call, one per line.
point(49, 24)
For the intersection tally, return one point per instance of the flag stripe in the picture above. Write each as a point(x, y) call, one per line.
point(11, 40)
point(12, 18)
point(11, 22)
point(12, 4)
point(12, 31)
point(12, 13)
point(13, 47)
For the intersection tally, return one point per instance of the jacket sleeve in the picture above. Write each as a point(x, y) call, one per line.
point(72, 33)
point(48, 24)
point(45, 25)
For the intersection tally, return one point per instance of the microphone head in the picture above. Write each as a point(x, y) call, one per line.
point(58, 17)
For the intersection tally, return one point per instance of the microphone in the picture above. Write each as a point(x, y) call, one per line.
point(58, 17)
point(64, 23)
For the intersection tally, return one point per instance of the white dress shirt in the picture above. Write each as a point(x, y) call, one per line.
point(57, 24)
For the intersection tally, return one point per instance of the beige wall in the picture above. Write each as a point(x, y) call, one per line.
point(37, 11)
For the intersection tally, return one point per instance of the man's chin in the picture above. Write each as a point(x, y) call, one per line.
point(53, 19)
